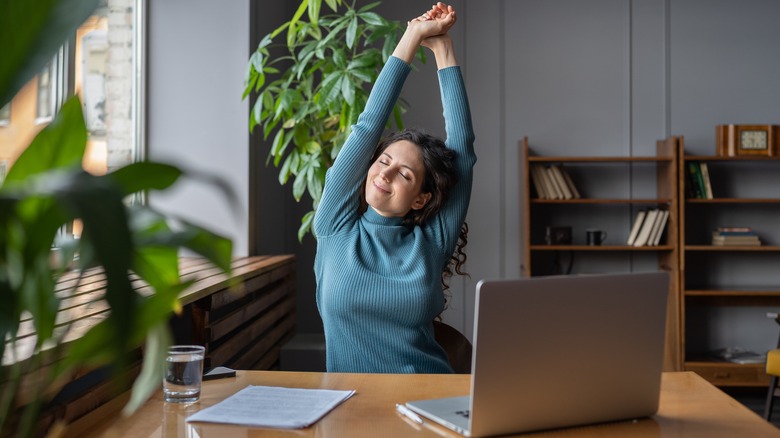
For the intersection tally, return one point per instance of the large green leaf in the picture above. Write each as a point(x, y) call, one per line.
point(157, 341)
point(31, 31)
point(98, 201)
point(38, 232)
point(137, 177)
point(59, 145)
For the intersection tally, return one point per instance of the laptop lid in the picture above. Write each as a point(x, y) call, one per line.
point(553, 352)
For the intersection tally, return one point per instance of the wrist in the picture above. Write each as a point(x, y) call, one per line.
point(444, 52)
point(407, 45)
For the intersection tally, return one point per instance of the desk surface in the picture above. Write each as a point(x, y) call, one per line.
point(689, 407)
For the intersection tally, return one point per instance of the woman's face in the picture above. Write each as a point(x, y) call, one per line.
point(394, 181)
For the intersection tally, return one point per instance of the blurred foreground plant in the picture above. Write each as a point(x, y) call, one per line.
point(47, 188)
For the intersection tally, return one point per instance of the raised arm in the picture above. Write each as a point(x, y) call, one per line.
point(459, 131)
point(339, 202)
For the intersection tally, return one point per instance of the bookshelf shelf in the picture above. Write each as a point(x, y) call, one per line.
point(731, 293)
point(734, 201)
point(732, 248)
point(710, 309)
point(551, 159)
point(723, 158)
point(614, 189)
point(601, 248)
point(603, 201)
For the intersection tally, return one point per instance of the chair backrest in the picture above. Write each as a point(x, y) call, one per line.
point(456, 345)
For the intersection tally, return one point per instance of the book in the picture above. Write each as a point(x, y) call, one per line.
point(560, 181)
point(640, 217)
point(697, 187)
point(570, 183)
point(662, 227)
point(543, 183)
point(705, 174)
point(735, 229)
point(553, 183)
point(654, 229)
point(647, 227)
point(736, 240)
point(541, 191)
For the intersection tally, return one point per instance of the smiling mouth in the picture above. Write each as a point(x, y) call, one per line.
point(380, 188)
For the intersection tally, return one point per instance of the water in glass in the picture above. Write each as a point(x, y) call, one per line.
point(183, 373)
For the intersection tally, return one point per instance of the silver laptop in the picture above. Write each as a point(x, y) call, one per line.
point(554, 352)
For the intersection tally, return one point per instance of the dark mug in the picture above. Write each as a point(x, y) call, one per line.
point(595, 237)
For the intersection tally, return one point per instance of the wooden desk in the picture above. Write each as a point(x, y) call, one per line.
point(690, 407)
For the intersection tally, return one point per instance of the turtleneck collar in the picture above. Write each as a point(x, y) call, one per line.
point(373, 217)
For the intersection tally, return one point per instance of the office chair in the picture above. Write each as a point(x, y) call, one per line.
point(772, 369)
point(456, 345)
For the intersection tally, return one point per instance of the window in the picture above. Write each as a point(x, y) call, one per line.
point(103, 64)
point(45, 102)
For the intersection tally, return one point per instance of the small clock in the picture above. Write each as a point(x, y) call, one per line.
point(753, 140)
point(735, 140)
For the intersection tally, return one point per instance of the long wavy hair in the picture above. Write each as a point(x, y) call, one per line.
point(440, 177)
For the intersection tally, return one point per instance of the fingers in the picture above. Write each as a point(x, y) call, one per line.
point(437, 12)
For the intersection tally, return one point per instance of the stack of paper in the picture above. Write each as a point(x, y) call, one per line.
point(269, 406)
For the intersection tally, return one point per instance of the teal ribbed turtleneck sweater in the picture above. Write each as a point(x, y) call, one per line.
point(378, 281)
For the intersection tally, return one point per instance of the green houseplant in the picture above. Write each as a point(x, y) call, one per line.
point(321, 79)
point(47, 188)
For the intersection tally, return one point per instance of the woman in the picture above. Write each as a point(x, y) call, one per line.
point(385, 235)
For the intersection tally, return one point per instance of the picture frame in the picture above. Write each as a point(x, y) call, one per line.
point(747, 140)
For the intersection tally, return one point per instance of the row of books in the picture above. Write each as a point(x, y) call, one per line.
point(735, 236)
point(698, 181)
point(648, 227)
point(553, 182)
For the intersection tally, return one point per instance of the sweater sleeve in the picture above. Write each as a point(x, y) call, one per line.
point(339, 203)
point(445, 227)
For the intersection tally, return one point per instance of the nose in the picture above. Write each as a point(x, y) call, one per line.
point(383, 174)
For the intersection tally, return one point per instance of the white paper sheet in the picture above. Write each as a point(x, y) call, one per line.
point(271, 406)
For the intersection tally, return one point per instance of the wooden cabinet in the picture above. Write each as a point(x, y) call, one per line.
point(613, 189)
point(726, 291)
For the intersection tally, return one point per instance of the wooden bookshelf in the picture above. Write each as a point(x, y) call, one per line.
point(701, 295)
point(621, 210)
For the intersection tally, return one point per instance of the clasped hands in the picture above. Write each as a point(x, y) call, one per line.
point(434, 22)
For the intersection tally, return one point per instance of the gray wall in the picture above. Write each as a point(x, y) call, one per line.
point(578, 77)
point(197, 53)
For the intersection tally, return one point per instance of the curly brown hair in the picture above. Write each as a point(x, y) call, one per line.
point(440, 177)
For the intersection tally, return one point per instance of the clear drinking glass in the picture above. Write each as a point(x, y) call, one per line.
point(183, 373)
